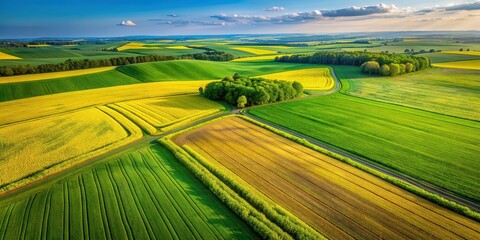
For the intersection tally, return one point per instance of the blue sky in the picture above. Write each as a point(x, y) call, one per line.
point(77, 18)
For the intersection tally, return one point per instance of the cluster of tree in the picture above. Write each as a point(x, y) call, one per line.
point(392, 69)
point(244, 91)
point(116, 61)
point(414, 63)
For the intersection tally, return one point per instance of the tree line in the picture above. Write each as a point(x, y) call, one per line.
point(244, 91)
point(371, 62)
point(71, 64)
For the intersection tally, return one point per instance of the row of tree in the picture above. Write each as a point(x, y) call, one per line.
point(244, 91)
point(359, 58)
point(392, 69)
point(116, 61)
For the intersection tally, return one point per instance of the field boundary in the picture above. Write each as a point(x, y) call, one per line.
point(435, 198)
point(276, 214)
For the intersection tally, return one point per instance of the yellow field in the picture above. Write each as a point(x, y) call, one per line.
point(311, 79)
point(45, 76)
point(179, 47)
point(259, 58)
point(473, 53)
point(38, 146)
point(197, 45)
point(470, 64)
point(135, 45)
point(28, 108)
point(338, 200)
point(161, 114)
point(4, 56)
point(37, 45)
point(255, 50)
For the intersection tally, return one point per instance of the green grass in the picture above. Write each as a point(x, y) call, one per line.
point(12, 91)
point(202, 70)
point(143, 194)
point(438, 149)
point(452, 92)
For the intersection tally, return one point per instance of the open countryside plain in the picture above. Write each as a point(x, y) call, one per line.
point(338, 200)
point(80, 156)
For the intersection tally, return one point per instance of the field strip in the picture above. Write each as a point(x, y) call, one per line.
point(48, 76)
point(5, 56)
point(21, 109)
point(311, 178)
point(467, 64)
point(50, 149)
point(312, 78)
point(255, 51)
point(314, 163)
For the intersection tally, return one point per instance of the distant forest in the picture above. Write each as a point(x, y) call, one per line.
point(372, 63)
point(71, 64)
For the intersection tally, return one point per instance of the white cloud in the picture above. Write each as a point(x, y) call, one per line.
point(127, 23)
point(275, 9)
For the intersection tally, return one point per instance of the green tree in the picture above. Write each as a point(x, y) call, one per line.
point(394, 69)
point(298, 88)
point(385, 70)
point(242, 101)
point(408, 67)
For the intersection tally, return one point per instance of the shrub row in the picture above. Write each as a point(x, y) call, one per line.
point(458, 208)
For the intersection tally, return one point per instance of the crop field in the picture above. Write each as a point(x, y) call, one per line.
point(21, 109)
point(141, 194)
point(476, 53)
point(203, 70)
point(438, 149)
point(266, 58)
point(137, 45)
point(447, 91)
point(31, 147)
point(179, 47)
point(470, 64)
point(4, 56)
point(99, 78)
point(311, 79)
point(255, 51)
point(440, 57)
point(160, 114)
point(46, 76)
point(336, 199)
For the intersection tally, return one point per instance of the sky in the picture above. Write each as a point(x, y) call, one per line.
point(110, 18)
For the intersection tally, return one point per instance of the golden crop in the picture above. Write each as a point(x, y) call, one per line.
point(4, 56)
point(312, 78)
point(255, 50)
point(469, 64)
point(159, 114)
point(34, 146)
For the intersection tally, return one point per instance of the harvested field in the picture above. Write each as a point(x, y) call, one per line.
point(337, 199)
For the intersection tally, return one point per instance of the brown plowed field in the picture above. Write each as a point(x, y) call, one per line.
point(335, 198)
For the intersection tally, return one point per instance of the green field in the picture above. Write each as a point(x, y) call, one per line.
point(139, 195)
point(18, 90)
point(436, 148)
point(447, 91)
point(203, 70)
point(447, 57)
